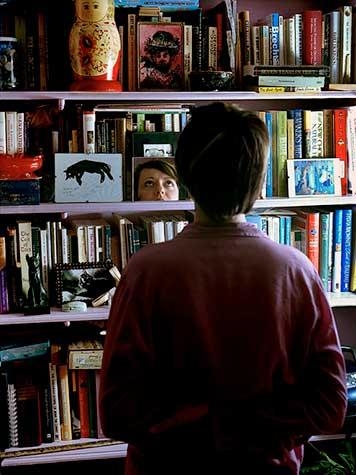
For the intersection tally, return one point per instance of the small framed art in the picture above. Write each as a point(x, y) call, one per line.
point(157, 150)
point(82, 282)
point(314, 176)
point(85, 178)
point(160, 56)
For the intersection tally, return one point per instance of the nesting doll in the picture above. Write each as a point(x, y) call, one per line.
point(95, 46)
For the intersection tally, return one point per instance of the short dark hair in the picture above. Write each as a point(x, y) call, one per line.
point(221, 158)
point(163, 166)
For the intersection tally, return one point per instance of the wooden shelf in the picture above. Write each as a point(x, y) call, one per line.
point(128, 207)
point(98, 452)
point(56, 316)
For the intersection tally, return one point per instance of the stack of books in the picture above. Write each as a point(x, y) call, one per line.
point(287, 78)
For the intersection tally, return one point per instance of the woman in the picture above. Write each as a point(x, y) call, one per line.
point(156, 180)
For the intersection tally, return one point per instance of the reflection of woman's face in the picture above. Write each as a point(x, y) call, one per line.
point(155, 185)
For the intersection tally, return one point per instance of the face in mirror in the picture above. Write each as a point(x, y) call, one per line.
point(156, 180)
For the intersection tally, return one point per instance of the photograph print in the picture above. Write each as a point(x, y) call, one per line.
point(160, 56)
point(88, 178)
point(82, 282)
point(314, 176)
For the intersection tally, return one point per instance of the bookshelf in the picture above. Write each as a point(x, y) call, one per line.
point(343, 303)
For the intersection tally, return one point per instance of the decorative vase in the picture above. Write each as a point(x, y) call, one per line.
point(95, 47)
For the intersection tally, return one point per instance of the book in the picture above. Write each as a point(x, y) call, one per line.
point(346, 245)
point(309, 222)
point(285, 80)
point(312, 36)
point(54, 391)
point(64, 402)
point(286, 70)
point(336, 251)
point(83, 401)
point(340, 144)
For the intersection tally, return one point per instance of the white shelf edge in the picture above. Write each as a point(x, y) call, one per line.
point(128, 207)
point(56, 316)
point(342, 299)
point(73, 455)
point(320, 438)
point(167, 96)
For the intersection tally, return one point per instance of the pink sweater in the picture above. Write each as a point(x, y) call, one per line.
point(223, 341)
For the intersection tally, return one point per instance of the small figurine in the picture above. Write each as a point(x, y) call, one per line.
point(95, 47)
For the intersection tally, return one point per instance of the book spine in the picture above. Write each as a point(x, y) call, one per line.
point(65, 412)
point(340, 144)
point(89, 131)
point(11, 131)
point(324, 248)
point(298, 26)
point(53, 383)
point(131, 52)
point(346, 249)
point(334, 40)
point(346, 38)
point(274, 51)
point(83, 402)
point(298, 133)
point(25, 249)
point(312, 35)
point(3, 132)
point(282, 153)
point(336, 251)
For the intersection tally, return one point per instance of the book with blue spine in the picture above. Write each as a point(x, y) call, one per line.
point(269, 171)
point(336, 251)
point(273, 20)
point(298, 133)
point(346, 249)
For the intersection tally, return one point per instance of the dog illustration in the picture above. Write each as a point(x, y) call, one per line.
point(78, 169)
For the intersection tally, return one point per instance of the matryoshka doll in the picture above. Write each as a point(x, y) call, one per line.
point(95, 47)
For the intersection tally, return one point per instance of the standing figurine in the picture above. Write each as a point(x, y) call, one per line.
point(95, 47)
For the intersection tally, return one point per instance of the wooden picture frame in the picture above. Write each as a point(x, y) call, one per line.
point(160, 56)
point(88, 178)
point(82, 282)
point(314, 177)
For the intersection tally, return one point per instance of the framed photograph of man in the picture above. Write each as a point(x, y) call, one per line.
point(314, 177)
point(160, 56)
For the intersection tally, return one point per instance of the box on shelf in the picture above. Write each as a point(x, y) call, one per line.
point(20, 192)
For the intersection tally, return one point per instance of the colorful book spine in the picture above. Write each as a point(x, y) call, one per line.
point(346, 249)
point(336, 251)
point(269, 171)
point(274, 57)
point(340, 144)
point(324, 248)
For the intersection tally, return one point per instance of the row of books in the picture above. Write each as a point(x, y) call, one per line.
point(311, 37)
point(66, 260)
point(307, 134)
point(48, 392)
point(327, 237)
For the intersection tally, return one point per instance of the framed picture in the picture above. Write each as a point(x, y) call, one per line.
point(157, 150)
point(314, 176)
point(160, 56)
point(138, 160)
point(82, 282)
point(82, 178)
